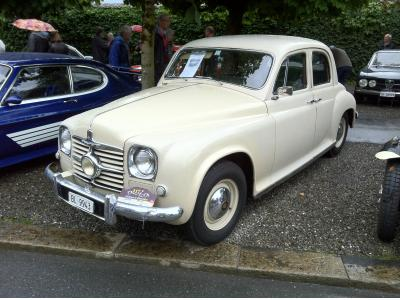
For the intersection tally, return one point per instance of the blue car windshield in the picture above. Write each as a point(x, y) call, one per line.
point(246, 68)
point(4, 70)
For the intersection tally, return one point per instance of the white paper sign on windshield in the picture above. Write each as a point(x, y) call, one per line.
point(193, 64)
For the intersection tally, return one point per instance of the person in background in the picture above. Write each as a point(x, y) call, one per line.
point(38, 41)
point(170, 47)
point(161, 57)
point(2, 47)
point(100, 46)
point(387, 42)
point(110, 38)
point(57, 45)
point(344, 66)
point(209, 32)
point(119, 51)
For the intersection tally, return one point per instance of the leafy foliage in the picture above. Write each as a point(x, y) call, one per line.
point(357, 31)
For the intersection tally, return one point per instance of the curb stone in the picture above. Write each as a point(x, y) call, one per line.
point(362, 272)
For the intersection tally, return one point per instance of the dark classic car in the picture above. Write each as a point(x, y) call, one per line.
point(39, 90)
point(380, 79)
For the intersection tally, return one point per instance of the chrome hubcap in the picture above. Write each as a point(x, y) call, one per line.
point(221, 204)
point(341, 132)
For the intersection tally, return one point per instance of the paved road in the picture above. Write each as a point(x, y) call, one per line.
point(377, 131)
point(30, 274)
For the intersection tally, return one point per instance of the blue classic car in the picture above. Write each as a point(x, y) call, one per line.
point(39, 90)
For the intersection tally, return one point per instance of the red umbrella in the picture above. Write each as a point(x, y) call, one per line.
point(33, 25)
point(137, 28)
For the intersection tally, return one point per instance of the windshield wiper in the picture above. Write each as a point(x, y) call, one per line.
point(208, 77)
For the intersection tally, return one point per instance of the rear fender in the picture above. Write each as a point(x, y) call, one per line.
point(391, 150)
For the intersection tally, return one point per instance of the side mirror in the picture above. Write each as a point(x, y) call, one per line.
point(88, 57)
point(285, 91)
point(13, 100)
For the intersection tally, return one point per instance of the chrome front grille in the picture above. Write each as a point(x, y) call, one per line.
point(111, 158)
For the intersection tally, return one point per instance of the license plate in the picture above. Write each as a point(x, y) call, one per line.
point(80, 202)
point(388, 94)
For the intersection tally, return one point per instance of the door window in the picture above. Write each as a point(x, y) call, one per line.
point(41, 82)
point(293, 72)
point(86, 79)
point(321, 69)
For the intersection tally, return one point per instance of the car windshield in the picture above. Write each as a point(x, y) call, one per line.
point(4, 70)
point(245, 68)
point(391, 59)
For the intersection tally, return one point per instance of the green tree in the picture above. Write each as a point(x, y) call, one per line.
point(12, 9)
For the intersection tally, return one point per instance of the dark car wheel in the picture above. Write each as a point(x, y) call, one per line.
point(340, 137)
point(390, 202)
point(221, 198)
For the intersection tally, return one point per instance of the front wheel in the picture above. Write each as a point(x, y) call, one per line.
point(390, 202)
point(340, 137)
point(221, 198)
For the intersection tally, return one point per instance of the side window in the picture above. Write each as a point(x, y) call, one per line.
point(86, 79)
point(321, 69)
point(293, 72)
point(40, 82)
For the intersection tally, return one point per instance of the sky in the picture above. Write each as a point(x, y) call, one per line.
point(112, 1)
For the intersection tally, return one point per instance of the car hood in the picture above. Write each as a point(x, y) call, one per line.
point(170, 109)
point(381, 72)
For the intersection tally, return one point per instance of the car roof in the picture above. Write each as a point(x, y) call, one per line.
point(259, 42)
point(23, 58)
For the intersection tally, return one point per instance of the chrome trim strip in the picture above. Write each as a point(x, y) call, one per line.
point(373, 92)
point(34, 129)
point(71, 94)
point(114, 205)
point(23, 145)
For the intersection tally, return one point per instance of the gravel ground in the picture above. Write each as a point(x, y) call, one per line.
point(331, 206)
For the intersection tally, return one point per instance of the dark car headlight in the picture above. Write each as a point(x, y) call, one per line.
point(363, 83)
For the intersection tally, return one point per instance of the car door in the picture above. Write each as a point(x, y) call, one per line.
point(294, 114)
point(324, 95)
point(31, 126)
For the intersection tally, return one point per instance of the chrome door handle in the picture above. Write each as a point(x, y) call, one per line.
point(317, 100)
point(310, 101)
point(71, 100)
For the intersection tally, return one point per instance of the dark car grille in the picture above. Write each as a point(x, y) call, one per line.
point(384, 84)
point(109, 157)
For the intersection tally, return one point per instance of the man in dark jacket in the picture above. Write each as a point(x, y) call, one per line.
point(38, 41)
point(387, 43)
point(119, 49)
point(100, 46)
point(343, 63)
point(161, 57)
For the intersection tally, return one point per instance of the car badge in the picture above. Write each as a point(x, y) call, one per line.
point(90, 135)
point(389, 84)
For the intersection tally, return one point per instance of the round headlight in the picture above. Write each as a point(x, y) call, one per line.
point(65, 140)
point(363, 82)
point(142, 162)
point(372, 83)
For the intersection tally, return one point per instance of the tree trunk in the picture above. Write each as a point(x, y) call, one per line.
point(147, 38)
point(236, 11)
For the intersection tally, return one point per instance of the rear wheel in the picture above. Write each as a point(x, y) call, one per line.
point(390, 202)
point(221, 198)
point(340, 137)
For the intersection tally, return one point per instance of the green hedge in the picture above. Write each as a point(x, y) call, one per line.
point(358, 32)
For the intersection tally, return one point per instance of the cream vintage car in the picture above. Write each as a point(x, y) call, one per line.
point(231, 118)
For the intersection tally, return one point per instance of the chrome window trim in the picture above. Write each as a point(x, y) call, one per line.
point(5, 80)
point(328, 57)
point(72, 94)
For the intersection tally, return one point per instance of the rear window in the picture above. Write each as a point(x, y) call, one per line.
point(86, 79)
point(4, 71)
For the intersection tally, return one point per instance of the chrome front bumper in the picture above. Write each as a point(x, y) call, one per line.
point(113, 205)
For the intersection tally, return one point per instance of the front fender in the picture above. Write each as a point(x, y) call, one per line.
point(390, 150)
